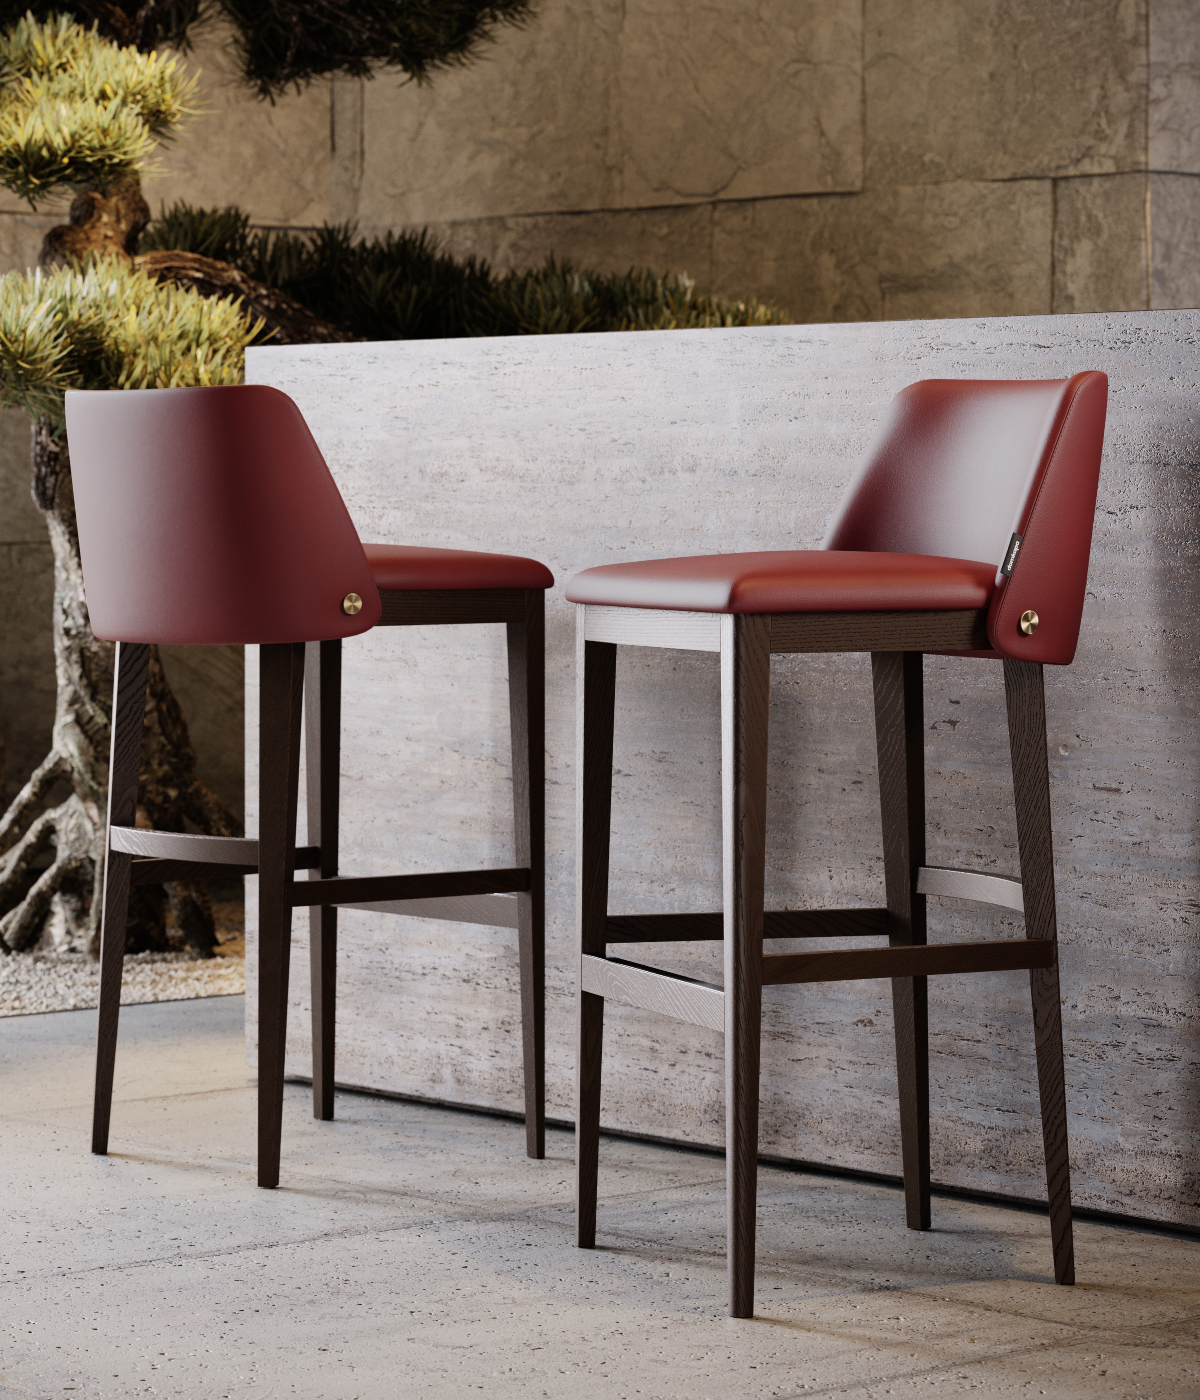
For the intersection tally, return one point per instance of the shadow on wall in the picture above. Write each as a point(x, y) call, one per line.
point(208, 681)
point(1172, 467)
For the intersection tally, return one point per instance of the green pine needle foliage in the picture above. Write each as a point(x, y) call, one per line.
point(109, 327)
point(77, 110)
point(288, 43)
point(169, 23)
point(404, 287)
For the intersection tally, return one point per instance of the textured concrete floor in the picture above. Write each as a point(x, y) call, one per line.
point(413, 1251)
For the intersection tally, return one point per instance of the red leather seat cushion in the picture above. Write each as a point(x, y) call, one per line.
point(402, 566)
point(791, 580)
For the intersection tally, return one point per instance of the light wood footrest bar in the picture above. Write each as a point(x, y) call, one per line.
point(783, 923)
point(919, 960)
point(968, 884)
point(495, 910)
point(386, 889)
point(681, 998)
point(163, 856)
point(179, 845)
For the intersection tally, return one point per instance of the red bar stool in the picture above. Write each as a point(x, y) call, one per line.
point(209, 516)
point(967, 529)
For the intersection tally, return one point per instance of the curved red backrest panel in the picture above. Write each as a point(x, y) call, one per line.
point(961, 465)
point(209, 515)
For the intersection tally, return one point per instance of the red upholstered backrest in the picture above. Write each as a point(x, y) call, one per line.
point(209, 515)
point(961, 465)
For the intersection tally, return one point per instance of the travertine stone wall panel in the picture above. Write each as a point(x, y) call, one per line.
point(1175, 241)
point(925, 250)
point(891, 254)
point(600, 105)
point(986, 91)
point(271, 159)
point(22, 231)
point(1100, 228)
point(581, 450)
point(677, 237)
point(738, 102)
point(527, 128)
point(347, 100)
point(1174, 142)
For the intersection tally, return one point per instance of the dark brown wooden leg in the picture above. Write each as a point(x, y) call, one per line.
point(129, 705)
point(899, 732)
point(745, 705)
point(281, 696)
point(527, 708)
point(323, 742)
point(1024, 692)
point(595, 689)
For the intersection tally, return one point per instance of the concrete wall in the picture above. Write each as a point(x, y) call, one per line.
point(583, 450)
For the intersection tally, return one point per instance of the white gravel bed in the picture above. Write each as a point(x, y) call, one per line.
point(45, 981)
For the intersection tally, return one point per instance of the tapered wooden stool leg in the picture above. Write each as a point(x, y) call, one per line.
point(745, 705)
point(595, 689)
point(899, 733)
point(125, 753)
point(280, 699)
point(527, 709)
point(1025, 694)
point(322, 751)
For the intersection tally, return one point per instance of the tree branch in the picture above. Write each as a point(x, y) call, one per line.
point(291, 323)
point(20, 927)
point(18, 864)
point(113, 20)
point(23, 806)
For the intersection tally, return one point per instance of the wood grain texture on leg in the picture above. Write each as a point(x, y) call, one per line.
point(745, 707)
point(899, 732)
point(595, 693)
point(323, 743)
point(281, 697)
point(527, 710)
point(1025, 696)
point(124, 763)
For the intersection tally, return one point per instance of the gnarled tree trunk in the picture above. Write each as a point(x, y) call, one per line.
point(61, 809)
point(60, 812)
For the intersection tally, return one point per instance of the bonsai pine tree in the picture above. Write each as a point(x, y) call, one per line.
point(110, 327)
point(81, 112)
point(288, 43)
point(86, 94)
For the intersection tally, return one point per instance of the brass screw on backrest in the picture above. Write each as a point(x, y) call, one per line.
point(1028, 623)
point(352, 603)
